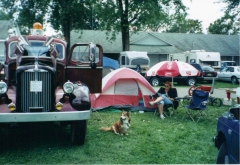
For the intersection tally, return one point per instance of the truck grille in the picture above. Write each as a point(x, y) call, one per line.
point(36, 101)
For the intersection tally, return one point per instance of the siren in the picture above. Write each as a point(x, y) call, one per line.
point(37, 29)
point(37, 25)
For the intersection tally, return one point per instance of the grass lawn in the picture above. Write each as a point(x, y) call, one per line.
point(150, 141)
point(217, 84)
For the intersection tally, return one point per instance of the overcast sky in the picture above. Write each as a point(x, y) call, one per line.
point(206, 11)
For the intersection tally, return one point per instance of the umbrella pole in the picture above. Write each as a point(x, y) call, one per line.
point(172, 81)
point(213, 81)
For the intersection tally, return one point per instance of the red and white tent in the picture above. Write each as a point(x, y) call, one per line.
point(122, 87)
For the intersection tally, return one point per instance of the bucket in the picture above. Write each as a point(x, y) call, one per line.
point(227, 102)
point(141, 103)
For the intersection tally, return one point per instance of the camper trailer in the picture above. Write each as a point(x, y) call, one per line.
point(138, 61)
point(198, 56)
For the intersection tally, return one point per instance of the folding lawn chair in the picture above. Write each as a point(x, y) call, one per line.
point(198, 103)
point(170, 108)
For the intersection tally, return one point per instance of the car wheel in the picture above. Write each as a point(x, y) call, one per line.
point(190, 90)
point(191, 81)
point(234, 80)
point(155, 81)
point(78, 132)
point(217, 102)
point(223, 154)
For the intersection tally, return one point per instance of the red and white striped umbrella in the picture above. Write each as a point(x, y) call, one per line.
point(172, 69)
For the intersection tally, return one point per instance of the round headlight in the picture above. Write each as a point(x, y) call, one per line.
point(68, 87)
point(3, 87)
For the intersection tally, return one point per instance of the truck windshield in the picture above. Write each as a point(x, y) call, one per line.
point(35, 50)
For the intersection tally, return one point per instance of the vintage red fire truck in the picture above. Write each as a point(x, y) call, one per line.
point(40, 82)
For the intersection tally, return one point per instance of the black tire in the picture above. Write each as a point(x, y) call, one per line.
point(191, 81)
point(223, 154)
point(217, 102)
point(78, 132)
point(234, 80)
point(155, 81)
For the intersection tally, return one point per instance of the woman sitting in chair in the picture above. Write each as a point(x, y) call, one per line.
point(163, 97)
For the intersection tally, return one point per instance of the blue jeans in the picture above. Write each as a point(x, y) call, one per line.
point(165, 100)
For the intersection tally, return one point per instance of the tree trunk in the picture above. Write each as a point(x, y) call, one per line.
point(125, 39)
point(67, 32)
point(124, 25)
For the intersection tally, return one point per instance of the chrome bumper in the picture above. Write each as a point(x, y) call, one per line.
point(44, 116)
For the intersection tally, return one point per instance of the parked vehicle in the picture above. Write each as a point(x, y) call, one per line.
point(189, 80)
point(224, 64)
point(230, 74)
point(208, 73)
point(198, 56)
point(227, 138)
point(138, 61)
point(42, 83)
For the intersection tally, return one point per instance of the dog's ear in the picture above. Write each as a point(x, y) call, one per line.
point(128, 113)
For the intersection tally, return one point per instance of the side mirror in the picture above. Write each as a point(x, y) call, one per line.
point(92, 55)
point(1, 66)
point(234, 113)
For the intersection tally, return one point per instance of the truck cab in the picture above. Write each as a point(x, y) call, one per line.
point(41, 82)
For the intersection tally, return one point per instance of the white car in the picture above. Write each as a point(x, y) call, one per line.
point(230, 73)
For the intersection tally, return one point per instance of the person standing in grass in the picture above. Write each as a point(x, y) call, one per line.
point(163, 97)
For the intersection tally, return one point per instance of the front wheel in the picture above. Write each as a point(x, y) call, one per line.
point(155, 81)
point(217, 102)
point(78, 132)
point(223, 154)
point(191, 81)
point(234, 80)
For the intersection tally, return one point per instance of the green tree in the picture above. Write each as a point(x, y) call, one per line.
point(231, 4)
point(5, 16)
point(229, 23)
point(185, 26)
point(67, 15)
point(27, 12)
point(64, 15)
point(135, 15)
point(224, 25)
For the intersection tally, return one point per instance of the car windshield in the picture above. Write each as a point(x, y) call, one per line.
point(207, 68)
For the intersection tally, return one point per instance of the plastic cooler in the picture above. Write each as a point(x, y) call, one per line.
point(206, 88)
